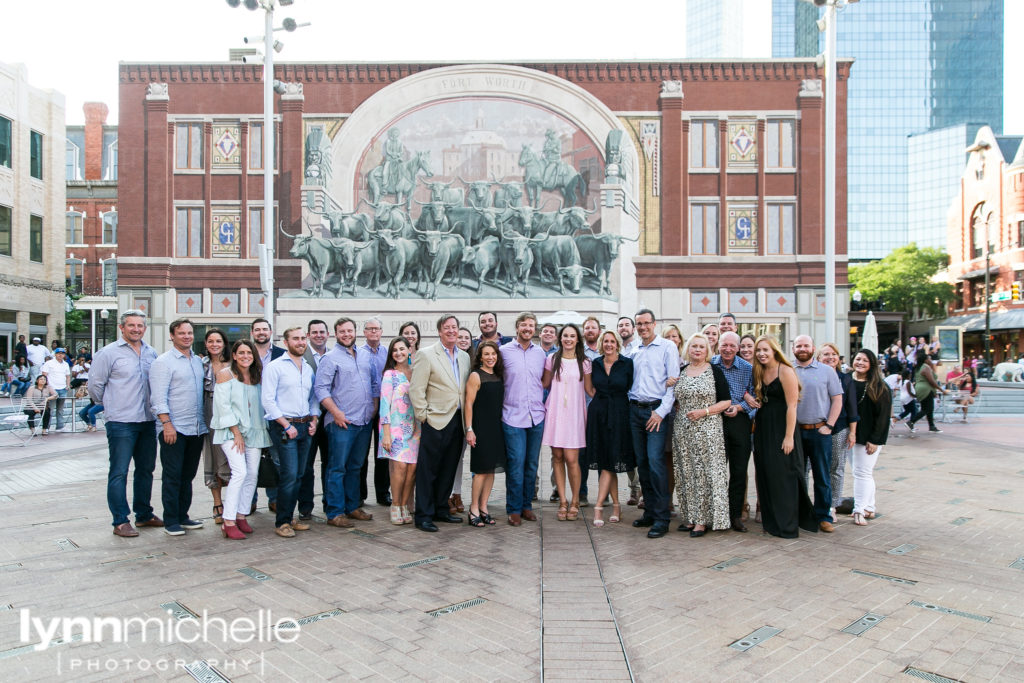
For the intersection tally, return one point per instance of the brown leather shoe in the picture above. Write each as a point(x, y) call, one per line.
point(529, 515)
point(514, 519)
point(826, 527)
point(272, 506)
point(299, 525)
point(456, 500)
point(341, 521)
point(126, 530)
point(285, 531)
point(152, 521)
point(633, 498)
point(360, 514)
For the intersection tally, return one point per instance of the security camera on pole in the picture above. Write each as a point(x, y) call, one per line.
point(270, 46)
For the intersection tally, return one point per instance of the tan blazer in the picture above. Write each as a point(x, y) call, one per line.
point(434, 391)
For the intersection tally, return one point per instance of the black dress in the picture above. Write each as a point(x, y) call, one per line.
point(609, 440)
point(489, 453)
point(781, 486)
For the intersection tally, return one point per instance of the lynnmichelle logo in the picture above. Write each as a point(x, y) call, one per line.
point(43, 633)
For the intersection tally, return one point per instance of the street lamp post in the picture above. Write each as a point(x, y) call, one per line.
point(266, 250)
point(828, 59)
point(988, 298)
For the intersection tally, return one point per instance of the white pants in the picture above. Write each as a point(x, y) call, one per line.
point(244, 469)
point(864, 478)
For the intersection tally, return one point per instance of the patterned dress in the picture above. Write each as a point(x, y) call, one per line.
point(396, 411)
point(702, 476)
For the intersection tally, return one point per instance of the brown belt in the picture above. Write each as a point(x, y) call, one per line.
point(300, 420)
point(818, 425)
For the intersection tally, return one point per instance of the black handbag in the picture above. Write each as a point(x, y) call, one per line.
point(268, 476)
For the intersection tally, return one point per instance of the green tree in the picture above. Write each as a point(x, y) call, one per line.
point(903, 280)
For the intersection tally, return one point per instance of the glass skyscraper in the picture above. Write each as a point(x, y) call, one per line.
point(920, 65)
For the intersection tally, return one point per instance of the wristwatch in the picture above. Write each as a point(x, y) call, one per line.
point(831, 428)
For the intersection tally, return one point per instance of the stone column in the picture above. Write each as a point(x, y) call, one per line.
point(811, 162)
point(619, 216)
point(674, 165)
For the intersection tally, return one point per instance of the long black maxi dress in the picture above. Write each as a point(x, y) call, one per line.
point(781, 486)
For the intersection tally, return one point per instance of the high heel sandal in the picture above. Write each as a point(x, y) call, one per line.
point(563, 511)
point(598, 509)
point(574, 511)
point(218, 514)
point(406, 515)
point(476, 520)
point(616, 513)
point(396, 515)
point(486, 516)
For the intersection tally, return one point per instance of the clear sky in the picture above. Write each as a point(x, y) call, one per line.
point(74, 46)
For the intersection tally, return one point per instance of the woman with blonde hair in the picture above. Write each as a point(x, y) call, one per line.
point(778, 459)
point(710, 331)
point(702, 476)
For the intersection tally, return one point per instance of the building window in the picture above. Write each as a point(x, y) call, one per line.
point(71, 153)
point(781, 232)
point(35, 239)
point(5, 230)
point(189, 146)
point(189, 232)
point(1020, 233)
point(73, 269)
point(256, 147)
point(704, 144)
point(5, 142)
point(704, 229)
point(109, 226)
point(74, 227)
point(779, 144)
point(36, 155)
point(110, 277)
point(255, 232)
point(979, 227)
point(110, 173)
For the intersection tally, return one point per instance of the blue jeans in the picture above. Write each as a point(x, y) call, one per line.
point(19, 387)
point(818, 450)
point(89, 412)
point(180, 462)
point(522, 449)
point(345, 463)
point(58, 407)
point(649, 448)
point(127, 441)
point(291, 455)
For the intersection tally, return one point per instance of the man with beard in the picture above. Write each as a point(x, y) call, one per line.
point(345, 386)
point(821, 401)
point(488, 324)
point(291, 407)
point(626, 331)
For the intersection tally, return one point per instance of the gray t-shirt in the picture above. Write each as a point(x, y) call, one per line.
point(820, 383)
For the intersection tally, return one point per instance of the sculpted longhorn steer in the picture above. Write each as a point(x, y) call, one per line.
point(517, 259)
point(319, 254)
point(560, 254)
point(440, 251)
point(598, 252)
point(484, 259)
point(355, 259)
point(399, 259)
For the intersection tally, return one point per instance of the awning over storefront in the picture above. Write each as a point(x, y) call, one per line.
point(999, 320)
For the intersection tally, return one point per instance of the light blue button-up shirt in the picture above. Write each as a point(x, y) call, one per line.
point(378, 357)
point(653, 365)
point(119, 381)
point(287, 391)
point(176, 389)
point(350, 381)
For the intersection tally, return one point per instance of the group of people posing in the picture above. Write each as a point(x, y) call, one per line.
point(679, 416)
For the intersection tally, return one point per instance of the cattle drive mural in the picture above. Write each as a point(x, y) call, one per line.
point(455, 200)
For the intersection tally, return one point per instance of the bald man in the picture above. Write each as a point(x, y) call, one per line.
point(821, 401)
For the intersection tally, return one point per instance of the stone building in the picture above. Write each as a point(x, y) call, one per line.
point(989, 208)
point(90, 167)
point(32, 296)
point(708, 176)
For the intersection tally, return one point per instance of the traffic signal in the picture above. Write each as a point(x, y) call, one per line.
point(1015, 291)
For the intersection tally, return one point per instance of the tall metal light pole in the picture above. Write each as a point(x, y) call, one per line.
point(266, 249)
point(988, 298)
point(828, 25)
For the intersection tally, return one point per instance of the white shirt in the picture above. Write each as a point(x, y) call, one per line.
point(57, 373)
point(37, 354)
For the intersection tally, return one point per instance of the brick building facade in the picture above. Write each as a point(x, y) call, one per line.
point(91, 224)
point(724, 180)
point(989, 207)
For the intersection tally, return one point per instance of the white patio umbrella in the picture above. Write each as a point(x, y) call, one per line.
point(870, 338)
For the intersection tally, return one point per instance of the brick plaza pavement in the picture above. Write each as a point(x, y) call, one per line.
point(550, 600)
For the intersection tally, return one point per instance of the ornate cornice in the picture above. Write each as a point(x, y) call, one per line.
point(576, 72)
